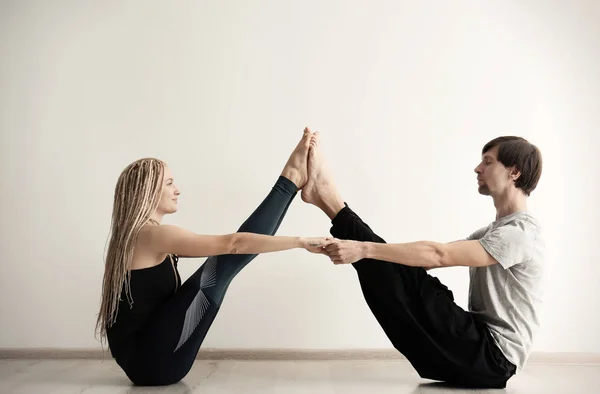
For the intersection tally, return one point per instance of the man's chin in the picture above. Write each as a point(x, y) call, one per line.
point(484, 191)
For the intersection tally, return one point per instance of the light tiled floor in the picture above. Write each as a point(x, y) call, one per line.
point(365, 377)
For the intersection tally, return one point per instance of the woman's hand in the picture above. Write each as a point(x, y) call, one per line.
point(317, 245)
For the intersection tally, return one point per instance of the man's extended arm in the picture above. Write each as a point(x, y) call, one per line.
point(425, 254)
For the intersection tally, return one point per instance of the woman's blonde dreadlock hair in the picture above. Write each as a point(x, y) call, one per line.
point(137, 195)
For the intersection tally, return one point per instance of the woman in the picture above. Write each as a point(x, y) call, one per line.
point(155, 324)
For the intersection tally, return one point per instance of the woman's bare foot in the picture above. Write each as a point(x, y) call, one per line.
point(296, 167)
point(320, 189)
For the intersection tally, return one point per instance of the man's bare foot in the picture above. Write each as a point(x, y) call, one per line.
point(296, 167)
point(320, 189)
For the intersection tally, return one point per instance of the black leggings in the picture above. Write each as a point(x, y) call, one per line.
point(418, 314)
point(165, 351)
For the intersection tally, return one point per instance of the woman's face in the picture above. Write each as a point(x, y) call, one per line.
point(168, 201)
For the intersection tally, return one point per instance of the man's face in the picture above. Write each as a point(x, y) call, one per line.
point(492, 177)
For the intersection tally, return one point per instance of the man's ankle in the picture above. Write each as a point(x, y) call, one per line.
point(332, 208)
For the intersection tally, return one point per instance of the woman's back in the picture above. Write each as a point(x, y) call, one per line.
point(150, 289)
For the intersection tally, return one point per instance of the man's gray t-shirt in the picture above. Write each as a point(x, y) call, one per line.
point(508, 295)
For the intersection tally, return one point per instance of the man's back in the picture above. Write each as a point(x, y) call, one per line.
point(508, 295)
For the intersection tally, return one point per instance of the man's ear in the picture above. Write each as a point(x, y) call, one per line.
point(514, 173)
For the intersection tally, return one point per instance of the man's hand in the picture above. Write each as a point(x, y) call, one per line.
point(345, 252)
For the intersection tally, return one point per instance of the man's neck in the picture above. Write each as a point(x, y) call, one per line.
point(512, 201)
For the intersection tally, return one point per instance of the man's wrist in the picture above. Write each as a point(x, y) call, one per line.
point(366, 250)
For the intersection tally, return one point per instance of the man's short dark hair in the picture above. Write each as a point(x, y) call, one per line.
point(526, 157)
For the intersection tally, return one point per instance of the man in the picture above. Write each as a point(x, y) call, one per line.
point(482, 347)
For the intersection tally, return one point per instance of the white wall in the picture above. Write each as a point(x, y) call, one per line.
point(405, 95)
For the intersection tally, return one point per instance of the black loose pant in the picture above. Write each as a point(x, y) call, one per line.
point(419, 316)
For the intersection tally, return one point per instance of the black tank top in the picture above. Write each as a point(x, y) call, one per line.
point(150, 289)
